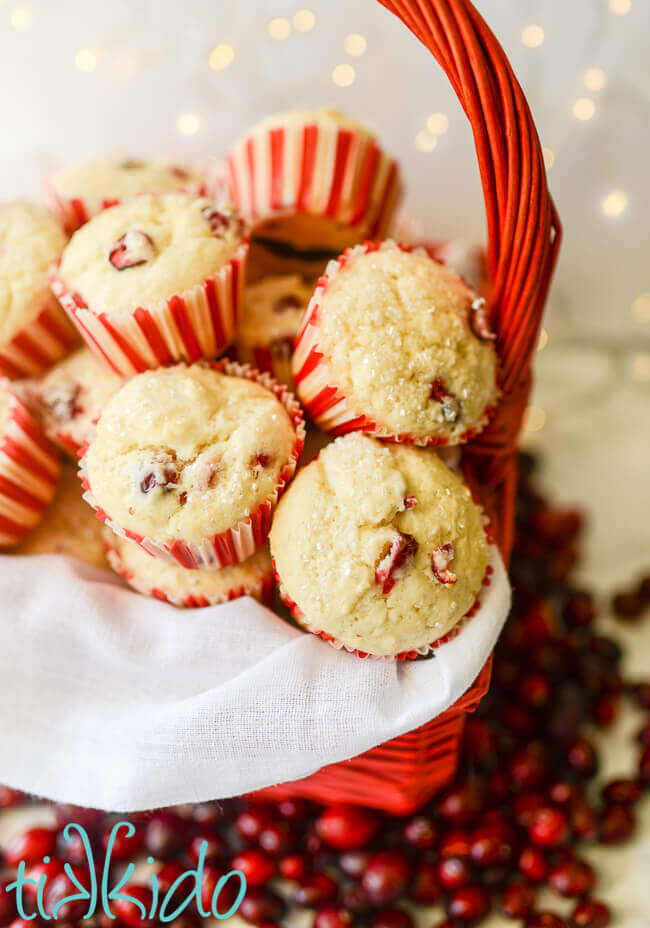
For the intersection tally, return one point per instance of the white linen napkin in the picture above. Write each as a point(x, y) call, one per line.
point(112, 700)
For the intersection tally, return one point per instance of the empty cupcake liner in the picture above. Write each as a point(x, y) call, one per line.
point(39, 344)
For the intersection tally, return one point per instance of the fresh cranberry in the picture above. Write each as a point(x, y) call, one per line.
point(591, 914)
point(347, 828)
point(294, 810)
point(125, 847)
point(643, 735)
point(526, 804)
point(518, 900)
point(455, 843)
point(315, 890)
point(492, 844)
point(420, 832)
point(395, 561)
point(622, 790)
point(628, 605)
point(207, 814)
point(563, 792)
point(607, 709)
point(425, 886)
point(58, 888)
point(386, 877)
point(582, 757)
point(167, 875)
point(532, 864)
point(10, 797)
point(479, 744)
point(535, 690)
point(129, 913)
point(332, 916)
point(251, 820)
point(164, 835)
point(545, 920)
point(355, 898)
point(31, 846)
point(276, 838)
point(392, 918)
point(644, 765)
point(261, 905)
point(641, 693)
point(584, 820)
point(463, 803)
point(617, 824)
point(453, 872)
point(7, 903)
point(257, 867)
point(90, 819)
point(579, 610)
point(469, 903)
point(354, 863)
point(294, 866)
point(213, 843)
point(549, 827)
point(572, 877)
point(227, 893)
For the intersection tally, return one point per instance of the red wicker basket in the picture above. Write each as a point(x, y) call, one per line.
point(523, 239)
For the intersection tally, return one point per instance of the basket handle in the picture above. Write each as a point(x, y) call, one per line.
point(524, 230)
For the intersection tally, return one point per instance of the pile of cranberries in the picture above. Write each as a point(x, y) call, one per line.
point(512, 822)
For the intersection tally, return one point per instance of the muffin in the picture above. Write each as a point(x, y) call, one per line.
point(71, 396)
point(190, 461)
point(68, 525)
point(29, 469)
point(83, 190)
point(395, 344)
point(311, 183)
point(273, 311)
point(155, 280)
point(190, 588)
point(34, 330)
point(379, 547)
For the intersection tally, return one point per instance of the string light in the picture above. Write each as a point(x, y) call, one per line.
point(584, 109)
point(86, 59)
point(534, 419)
point(221, 57)
point(549, 157)
point(641, 367)
point(21, 18)
point(279, 28)
point(542, 341)
point(620, 7)
point(343, 75)
point(594, 79)
point(304, 21)
point(188, 123)
point(532, 36)
point(615, 203)
point(437, 123)
point(355, 44)
point(641, 307)
point(424, 141)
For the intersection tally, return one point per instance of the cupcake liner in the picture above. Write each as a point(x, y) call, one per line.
point(316, 168)
point(39, 344)
point(239, 542)
point(197, 323)
point(323, 398)
point(268, 360)
point(29, 471)
point(414, 654)
point(261, 588)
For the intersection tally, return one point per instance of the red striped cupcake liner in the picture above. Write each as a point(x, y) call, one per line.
point(260, 588)
point(323, 398)
point(198, 323)
point(29, 471)
point(414, 654)
point(314, 167)
point(239, 542)
point(272, 359)
point(39, 344)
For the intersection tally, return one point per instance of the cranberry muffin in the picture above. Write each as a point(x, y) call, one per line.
point(395, 344)
point(190, 461)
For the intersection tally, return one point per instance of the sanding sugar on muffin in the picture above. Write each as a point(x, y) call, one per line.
point(71, 396)
point(190, 588)
point(273, 311)
point(76, 193)
point(311, 183)
point(34, 330)
point(68, 525)
point(190, 461)
point(395, 344)
point(379, 547)
point(155, 280)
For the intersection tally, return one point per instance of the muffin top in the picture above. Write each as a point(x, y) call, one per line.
point(379, 545)
point(119, 178)
point(177, 584)
point(68, 526)
point(72, 395)
point(145, 251)
point(30, 239)
point(273, 309)
point(187, 452)
point(400, 333)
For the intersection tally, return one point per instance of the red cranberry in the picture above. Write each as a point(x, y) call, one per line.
point(420, 832)
point(607, 709)
point(131, 250)
point(10, 797)
point(256, 866)
point(128, 912)
point(392, 918)
point(479, 744)
point(425, 887)
point(549, 827)
point(386, 877)
point(354, 863)
point(315, 890)
point(535, 690)
point(526, 804)
point(207, 814)
point(90, 819)
point(641, 693)
point(518, 900)
point(355, 899)
point(492, 844)
point(529, 766)
point(7, 903)
point(532, 864)
point(164, 835)
point(57, 889)
point(617, 824)
point(125, 847)
point(644, 765)
point(462, 804)
point(562, 792)
point(167, 876)
point(579, 610)
point(226, 896)
point(643, 736)
point(582, 757)
point(545, 920)
point(469, 903)
point(455, 843)
point(294, 866)
point(31, 846)
point(572, 877)
point(332, 916)
point(214, 846)
point(345, 827)
point(591, 914)
point(453, 872)
point(622, 790)
point(276, 838)
point(584, 820)
point(294, 810)
point(261, 906)
point(627, 605)
point(251, 820)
